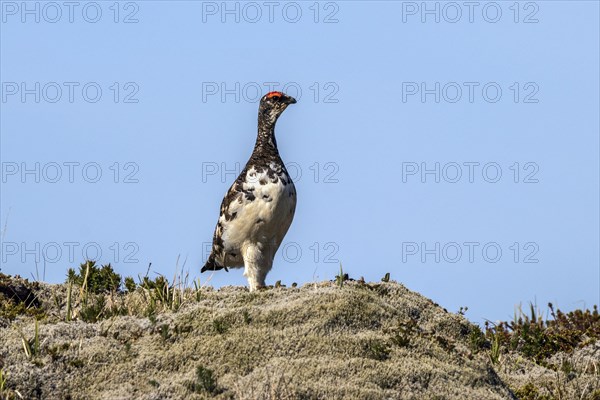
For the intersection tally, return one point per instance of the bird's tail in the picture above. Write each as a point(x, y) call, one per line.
point(211, 265)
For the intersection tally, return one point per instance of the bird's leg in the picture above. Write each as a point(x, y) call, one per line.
point(256, 267)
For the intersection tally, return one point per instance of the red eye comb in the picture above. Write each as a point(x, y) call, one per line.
point(273, 94)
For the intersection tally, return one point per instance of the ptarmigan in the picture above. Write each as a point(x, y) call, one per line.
point(259, 207)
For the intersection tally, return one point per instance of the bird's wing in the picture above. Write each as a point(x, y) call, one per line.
point(239, 194)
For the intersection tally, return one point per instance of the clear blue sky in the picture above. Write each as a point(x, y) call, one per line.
point(178, 108)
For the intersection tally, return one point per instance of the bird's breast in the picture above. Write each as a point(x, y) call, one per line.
point(263, 209)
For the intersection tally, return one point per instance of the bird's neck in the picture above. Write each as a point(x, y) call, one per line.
point(265, 139)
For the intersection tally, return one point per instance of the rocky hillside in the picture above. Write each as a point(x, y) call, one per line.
point(329, 340)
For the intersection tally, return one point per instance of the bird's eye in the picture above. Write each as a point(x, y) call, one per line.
point(276, 98)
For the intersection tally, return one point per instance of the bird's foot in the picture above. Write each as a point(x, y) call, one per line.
point(254, 286)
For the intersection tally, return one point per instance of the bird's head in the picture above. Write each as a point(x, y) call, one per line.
point(273, 104)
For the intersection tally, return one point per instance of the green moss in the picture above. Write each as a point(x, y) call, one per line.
point(57, 352)
point(204, 382)
point(10, 310)
point(164, 332)
point(539, 339)
point(130, 284)
point(476, 339)
point(19, 297)
point(77, 363)
point(221, 325)
point(247, 317)
point(530, 392)
point(444, 343)
point(376, 349)
point(94, 279)
point(92, 309)
point(401, 334)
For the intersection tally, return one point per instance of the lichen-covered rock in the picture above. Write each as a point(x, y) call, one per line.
point(320, 341)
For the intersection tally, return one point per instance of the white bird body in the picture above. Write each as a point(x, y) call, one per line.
point(258, 209)
point(259, 226)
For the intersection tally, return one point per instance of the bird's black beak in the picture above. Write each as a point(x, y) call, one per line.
point(290, 100)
